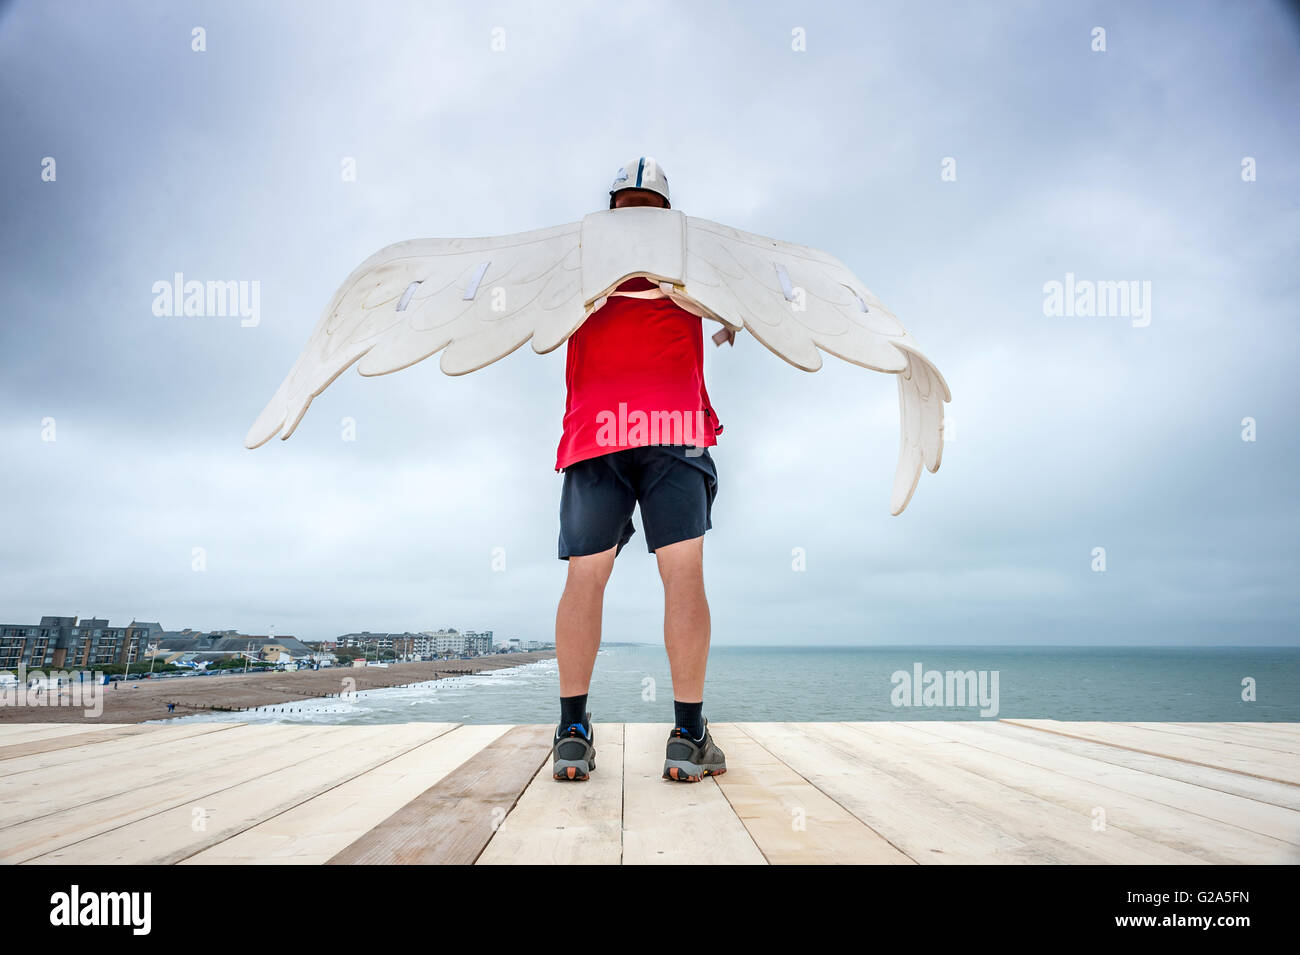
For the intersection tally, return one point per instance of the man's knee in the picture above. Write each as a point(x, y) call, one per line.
point(591, 572)
point(682, 562)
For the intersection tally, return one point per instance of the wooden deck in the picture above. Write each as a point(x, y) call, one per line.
point(1010, 791)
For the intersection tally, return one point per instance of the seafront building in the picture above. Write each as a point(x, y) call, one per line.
point(471, 642)
point(403, 646)
point(71, 643)
point(426, 645)
point(515, 645)
point(196, 648)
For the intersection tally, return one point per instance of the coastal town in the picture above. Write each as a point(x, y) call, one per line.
point(45, 667)
point(131, 650)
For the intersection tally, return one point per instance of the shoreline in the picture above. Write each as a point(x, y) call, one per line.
point(146, 700)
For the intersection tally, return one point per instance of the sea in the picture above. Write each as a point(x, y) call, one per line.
point(803, 684)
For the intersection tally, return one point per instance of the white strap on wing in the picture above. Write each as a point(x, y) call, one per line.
point(472, 289)
point(640, 293)
point(406, 296)
point(784, 278)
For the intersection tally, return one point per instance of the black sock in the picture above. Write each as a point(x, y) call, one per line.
point(573, 709)
point(691, 716)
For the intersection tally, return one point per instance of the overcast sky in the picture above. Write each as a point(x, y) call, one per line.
point(1069, 433)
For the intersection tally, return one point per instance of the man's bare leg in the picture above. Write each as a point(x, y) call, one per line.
point(691, 753)
point(577, 621)
point(686, 616)
point(577, 638)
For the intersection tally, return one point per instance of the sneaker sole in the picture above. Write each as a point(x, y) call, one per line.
point(683, 771)
point(573, 770)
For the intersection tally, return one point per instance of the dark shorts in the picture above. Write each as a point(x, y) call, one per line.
point(675, 491)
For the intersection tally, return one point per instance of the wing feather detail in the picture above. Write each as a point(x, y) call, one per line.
point(408, 301)
point(798, 302)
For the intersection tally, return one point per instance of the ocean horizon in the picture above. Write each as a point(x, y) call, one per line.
point(631, 683)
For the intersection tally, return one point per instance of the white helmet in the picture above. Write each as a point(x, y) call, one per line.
point(641, 173)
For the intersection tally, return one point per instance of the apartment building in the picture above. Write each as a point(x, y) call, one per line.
point(72, 643)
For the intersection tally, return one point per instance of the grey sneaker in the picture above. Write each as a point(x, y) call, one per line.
point(573, 751)
point(689, 760)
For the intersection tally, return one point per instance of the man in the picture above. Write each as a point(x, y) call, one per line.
point(637, 426)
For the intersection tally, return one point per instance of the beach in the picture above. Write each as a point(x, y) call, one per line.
point(137, 701)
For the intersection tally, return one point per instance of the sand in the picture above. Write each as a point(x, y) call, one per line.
point(139, 700)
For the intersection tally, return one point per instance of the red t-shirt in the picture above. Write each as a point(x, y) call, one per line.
point(635, 374)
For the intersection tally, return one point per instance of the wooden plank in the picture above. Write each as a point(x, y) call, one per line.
point(1082, 786)
point(1193, 789)
point(319, 828)
point(1253, 736)
point(129, 738)
point(1221, 780)
point(938, 813)
point(790, 820)
point(47, 813)
point(1281, 735)
point(327, 759)
point(1280, 729)
point(42, 791)
point(671, 823)
point(451, 822)
point(1279, 767)
point(907, 812)
point(567, 823)
point(1039, 822)
point(22, 732)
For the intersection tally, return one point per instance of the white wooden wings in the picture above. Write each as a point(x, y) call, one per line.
point(477, 300)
